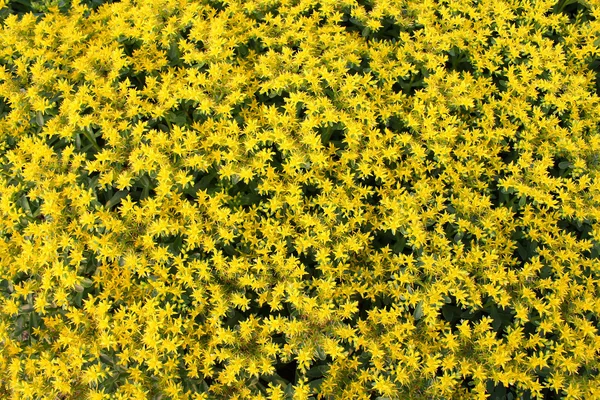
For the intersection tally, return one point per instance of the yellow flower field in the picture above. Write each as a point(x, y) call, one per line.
point(299, 199)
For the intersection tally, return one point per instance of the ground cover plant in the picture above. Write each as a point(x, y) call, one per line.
point(299, 199)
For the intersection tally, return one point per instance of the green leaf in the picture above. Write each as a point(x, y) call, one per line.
point(565, 165)
point(451, 312)
point(399, 245)
point(317, 371)
point(315, 385)
point(26, 308)
point(25, 206)
point(87, 132)
point(116, 199)
point(418, 314)
point(321, 354)
point(86, 283)
point(78, 298)
point(39, 118)
point(275, 379)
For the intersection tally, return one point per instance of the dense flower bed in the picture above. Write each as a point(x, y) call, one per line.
point(291, 198)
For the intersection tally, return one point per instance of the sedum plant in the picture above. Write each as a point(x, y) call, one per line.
point(299, 199)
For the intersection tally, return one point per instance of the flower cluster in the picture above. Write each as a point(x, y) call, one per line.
point(275, 199)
